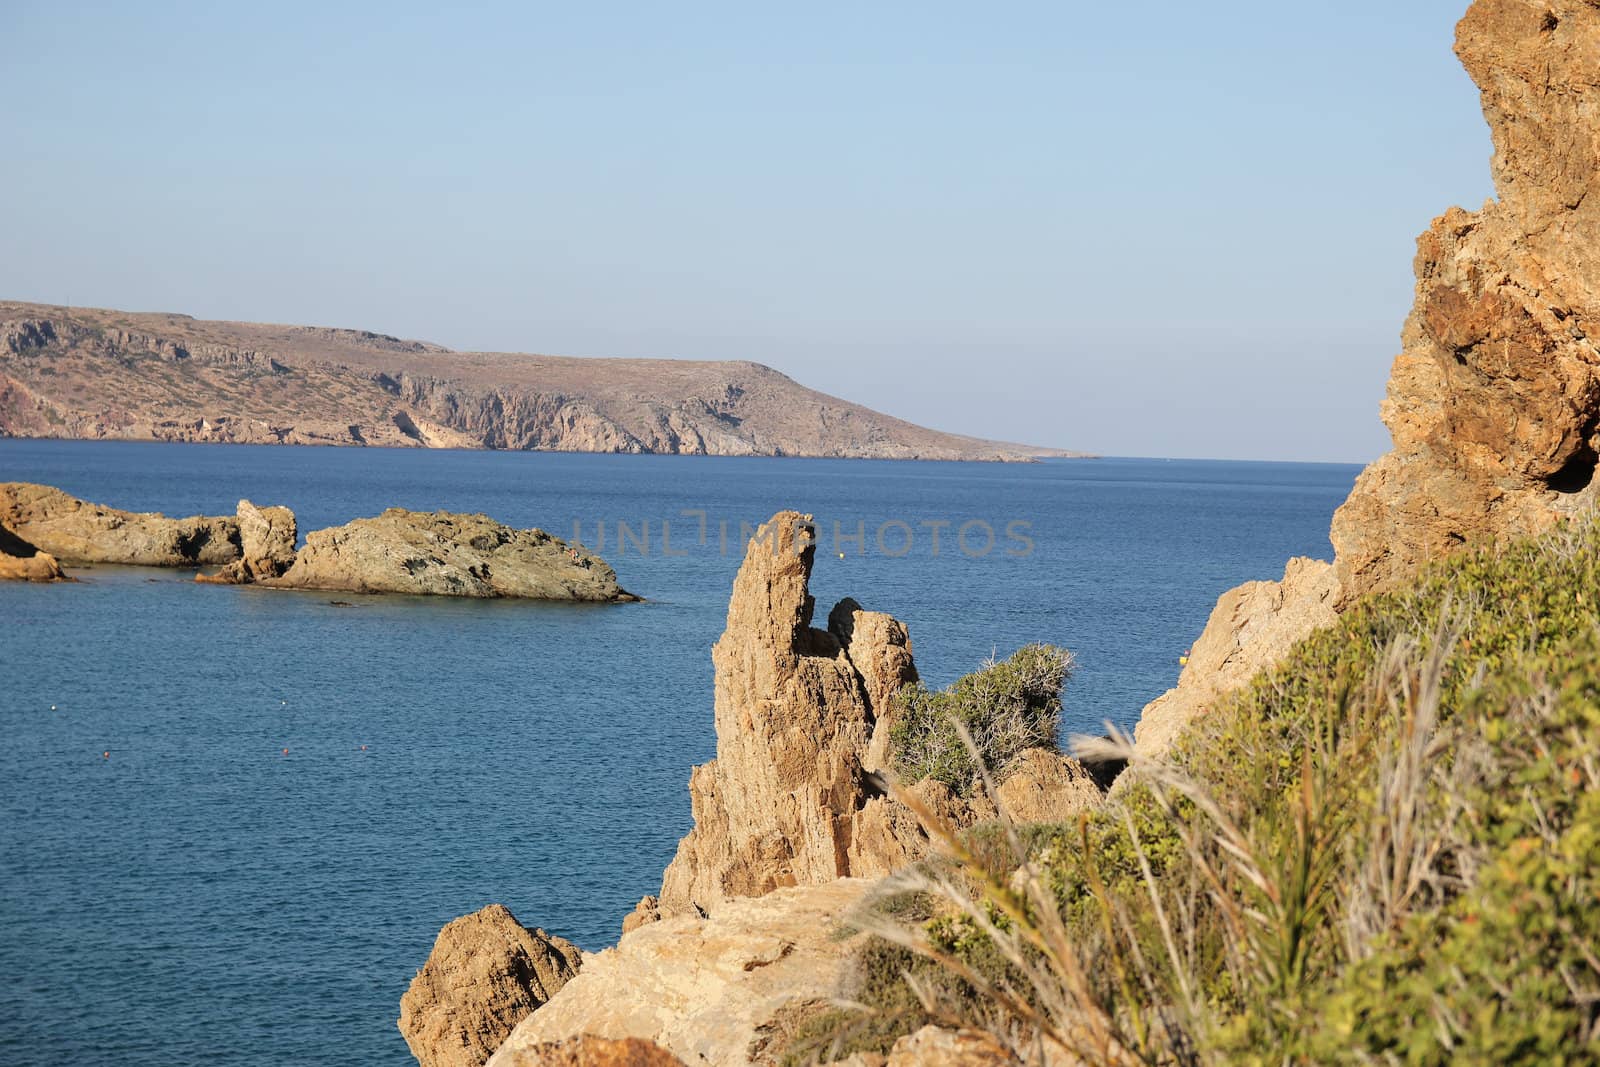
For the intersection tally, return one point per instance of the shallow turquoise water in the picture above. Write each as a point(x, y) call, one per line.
point(204, 896)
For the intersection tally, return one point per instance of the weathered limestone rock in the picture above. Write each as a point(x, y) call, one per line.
point(1044, 786)
point(485, 974)
point(704, 988)
point(266, 546)
point(784, 802)
point(647, 911)
point(22, 562)
point(1494, 404)
point(879, 648)
point(72, 529)
point(445, 554)
point(1251, 629)
point(590, 1051)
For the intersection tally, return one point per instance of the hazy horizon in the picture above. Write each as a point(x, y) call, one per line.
point(1184, 237)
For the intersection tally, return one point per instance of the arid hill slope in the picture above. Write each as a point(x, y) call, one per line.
point(91, 373)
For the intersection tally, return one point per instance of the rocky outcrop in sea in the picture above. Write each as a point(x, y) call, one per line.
point(75, 530)
point(437, 553)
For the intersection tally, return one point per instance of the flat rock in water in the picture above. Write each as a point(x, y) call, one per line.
point(441, 553)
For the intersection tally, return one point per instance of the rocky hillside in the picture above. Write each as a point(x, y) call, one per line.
point(91, 373)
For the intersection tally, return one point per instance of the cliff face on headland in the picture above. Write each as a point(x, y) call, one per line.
point(99, 374)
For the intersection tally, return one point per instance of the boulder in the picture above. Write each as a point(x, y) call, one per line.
point(485, 974)
point(704, 989)
point(1252, 628)
point(23, 562)
point(441, 553)
point(1494, 402)
point(72, 529)
point(1042, 785)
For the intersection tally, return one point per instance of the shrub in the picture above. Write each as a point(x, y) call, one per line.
point(1005, 708)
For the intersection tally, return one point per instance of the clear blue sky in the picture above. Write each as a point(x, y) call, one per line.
point(1165, 229)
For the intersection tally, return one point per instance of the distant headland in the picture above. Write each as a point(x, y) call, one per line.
point(89, 373)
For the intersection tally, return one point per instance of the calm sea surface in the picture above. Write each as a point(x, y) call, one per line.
point(299, 795)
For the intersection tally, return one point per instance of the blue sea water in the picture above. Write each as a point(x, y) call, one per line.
point(298, 794)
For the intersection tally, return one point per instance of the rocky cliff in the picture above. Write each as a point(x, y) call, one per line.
point(92, 373)
point(1494, 402)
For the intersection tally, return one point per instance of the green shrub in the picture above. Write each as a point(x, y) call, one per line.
point(1005, 708)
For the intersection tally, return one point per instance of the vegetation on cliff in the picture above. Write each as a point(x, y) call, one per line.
point(1005, 709)
point(1385, 850)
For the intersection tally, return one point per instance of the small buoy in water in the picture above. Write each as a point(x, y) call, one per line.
point(52, 707)
point(105, 755)
point(285, 702)
point(363, 748)
point(285, 752)
point(841, 555)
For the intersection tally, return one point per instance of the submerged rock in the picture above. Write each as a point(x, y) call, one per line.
point(23, 562)
point(72, 529)
point(485, 974)
point(440, 553)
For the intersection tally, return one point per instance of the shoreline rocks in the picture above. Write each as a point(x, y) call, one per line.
point(267, 538)
point(23, 562)
point(78, 531)
point(485, 974)
point(436, 553)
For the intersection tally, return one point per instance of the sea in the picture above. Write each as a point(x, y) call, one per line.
point(232, 820)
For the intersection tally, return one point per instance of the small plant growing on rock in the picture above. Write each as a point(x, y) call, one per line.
point(1005, 707)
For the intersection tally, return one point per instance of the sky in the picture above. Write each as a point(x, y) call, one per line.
point(1165, 229)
